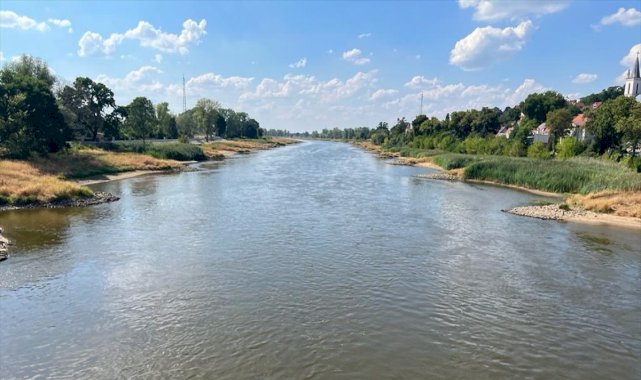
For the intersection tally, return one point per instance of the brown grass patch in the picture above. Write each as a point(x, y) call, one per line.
point(93, 162)
point(620, 203)
point(22, 182)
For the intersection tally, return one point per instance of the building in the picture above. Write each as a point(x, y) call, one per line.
point(578, 129)
point(505, 132)
point(541, 133)
point(632, 85)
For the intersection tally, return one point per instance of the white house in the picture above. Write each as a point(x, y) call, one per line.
point(541, 133)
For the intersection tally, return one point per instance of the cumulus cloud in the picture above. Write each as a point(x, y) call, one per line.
point(584, 78)
point(629, 17)
point(12, 20)
point(61, 23)
point(419, 81)
point(488, 45)
point(495, 10)
point(138, 81)
point(364, 35)
point(147, 35)
point(299, 64)
point(355, 57)
point(379, 94)
point(628, 59)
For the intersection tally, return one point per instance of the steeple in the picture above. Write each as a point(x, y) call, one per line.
point(632, 86)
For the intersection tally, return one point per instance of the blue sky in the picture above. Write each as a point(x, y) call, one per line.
point(311, 65)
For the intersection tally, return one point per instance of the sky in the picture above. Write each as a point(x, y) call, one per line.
point(307, 65)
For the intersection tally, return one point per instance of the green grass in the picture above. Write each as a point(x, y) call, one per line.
point(419, 153)
point(176, 151)
point(577, 175)
point(450, 161)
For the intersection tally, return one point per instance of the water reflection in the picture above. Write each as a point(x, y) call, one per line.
point(317, 260)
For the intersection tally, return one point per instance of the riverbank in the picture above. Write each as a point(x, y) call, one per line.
point(4, 246)
point(61, 179)
point(620, 206)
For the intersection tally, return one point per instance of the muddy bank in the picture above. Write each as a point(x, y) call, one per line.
point(4, 246)
point(98, 197)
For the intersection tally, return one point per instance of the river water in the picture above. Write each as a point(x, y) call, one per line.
point(315, 261)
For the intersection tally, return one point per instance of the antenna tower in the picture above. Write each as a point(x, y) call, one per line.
point(420, 113)
point(184, 95)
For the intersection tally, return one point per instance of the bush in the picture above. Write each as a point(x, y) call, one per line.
point(634, 164)
point(569, 147)
point(539, 151)
point(455, 161)
point(176, 151)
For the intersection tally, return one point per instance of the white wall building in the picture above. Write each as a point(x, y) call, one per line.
point(632, 85)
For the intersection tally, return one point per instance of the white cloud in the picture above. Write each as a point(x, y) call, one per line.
point(218, 81)
point(299, 64)
point(136, 83)
point(488, 45)
point(354, 56)
point(62, 23)
point(494, 10)
point(364, 35)
point(11, 20)
point(629, 17)
point(419, 81)
point(2, 59)
point(584, 78)
point(628, 59)
point(148, 36)
point(158, 58)
point(379, 94)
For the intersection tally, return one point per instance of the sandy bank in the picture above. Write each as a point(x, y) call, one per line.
point(119, 176)
point(560, 211)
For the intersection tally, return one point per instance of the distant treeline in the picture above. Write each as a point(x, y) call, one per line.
point(38, 114)
point(612, 124)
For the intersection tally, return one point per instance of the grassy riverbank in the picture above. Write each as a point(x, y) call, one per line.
point(589, 183)
point(45, 180)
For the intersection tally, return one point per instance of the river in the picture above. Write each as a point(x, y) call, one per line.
point(316, 260)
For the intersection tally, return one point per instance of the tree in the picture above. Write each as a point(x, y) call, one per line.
point(88, 101)
point(30, 120)
point(221, 125)
point(141, 118)
point(630, 128)
point(166, 122)
point(186, 123)
point(570, 147)
point(250, 129)
point(602, 121)
point(558, 121)
point(536, 106)
point(605, 95)
point(206, 113)
point(114, 122)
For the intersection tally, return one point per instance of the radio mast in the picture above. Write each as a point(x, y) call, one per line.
point(184, 95)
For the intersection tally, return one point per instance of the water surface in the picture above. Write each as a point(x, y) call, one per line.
point(315, 261)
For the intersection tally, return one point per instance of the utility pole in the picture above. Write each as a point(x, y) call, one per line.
point(184, 95)
point(421, 111)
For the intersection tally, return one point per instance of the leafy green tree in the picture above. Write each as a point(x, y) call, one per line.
point(250, 129)
point(558, 121)
point(536, 106)
point(186, 124)
point(89, 102)
point(602, 121)
point(605, 95)
point(30, 120)
point(114, 122)
point(141, 118)
point(630, 128)
point(206, 113)
point(166, 122)
point(220, 125)
point(510, 115)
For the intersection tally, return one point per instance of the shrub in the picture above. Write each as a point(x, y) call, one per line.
point(176, 151)
point(569, 147)
point(538, 150)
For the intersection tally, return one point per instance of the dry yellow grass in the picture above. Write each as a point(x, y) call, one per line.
point(222, 149)
point(92, 162)
point(21, 182)
point(620, 203)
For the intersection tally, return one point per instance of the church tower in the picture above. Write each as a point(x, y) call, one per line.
point(633, 81)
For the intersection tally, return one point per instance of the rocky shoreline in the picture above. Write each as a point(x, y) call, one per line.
point(563, 212)
point(4, 246)
point(98, 197)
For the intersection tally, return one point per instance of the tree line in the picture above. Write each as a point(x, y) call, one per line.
point(38, 114)
point(612, 120)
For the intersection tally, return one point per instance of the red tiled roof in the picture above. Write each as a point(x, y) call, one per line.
point(579, 120)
